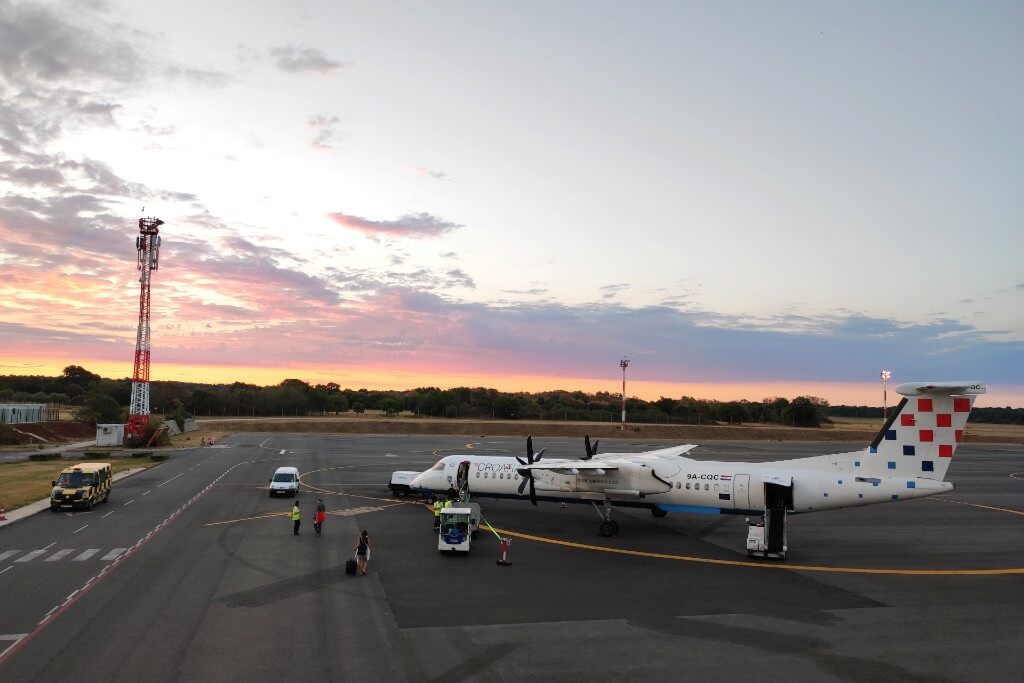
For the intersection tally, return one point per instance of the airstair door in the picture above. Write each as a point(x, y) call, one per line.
point(741, 491)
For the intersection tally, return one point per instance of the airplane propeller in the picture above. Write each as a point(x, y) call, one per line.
point(591, 450)
point(527, 474)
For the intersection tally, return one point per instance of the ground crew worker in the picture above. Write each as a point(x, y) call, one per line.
point(452, 494)
point(296, 518)
point(437, 507)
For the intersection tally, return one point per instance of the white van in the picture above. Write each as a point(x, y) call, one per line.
point(285, 481)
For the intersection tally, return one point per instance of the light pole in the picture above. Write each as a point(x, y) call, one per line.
point(886, 376)
point(624, 363)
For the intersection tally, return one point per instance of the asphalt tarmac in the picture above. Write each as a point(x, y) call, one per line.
point(191, 573)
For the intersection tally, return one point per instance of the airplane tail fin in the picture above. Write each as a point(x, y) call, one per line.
point(921, 435)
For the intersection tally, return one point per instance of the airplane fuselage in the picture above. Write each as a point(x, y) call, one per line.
point(686, 485)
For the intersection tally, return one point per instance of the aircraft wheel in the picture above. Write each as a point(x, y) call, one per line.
point(658, 512)
point(609, 528)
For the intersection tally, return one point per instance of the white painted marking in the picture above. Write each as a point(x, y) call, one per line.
point(117, 556)
point(60, 555)
point(8, 553)
point(282, 452)
point(171, 479)
point(148, 492)
point(113, 554)
point(14, 639)
point(28, 557)
point(8, 569)
point(77, 530)
point(50, 546)
point(107, 515)
point(86, 554)
point(73, 594)
point(129, 502)
point(265, 442)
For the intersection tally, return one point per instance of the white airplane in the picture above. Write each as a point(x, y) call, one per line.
point(908, 458)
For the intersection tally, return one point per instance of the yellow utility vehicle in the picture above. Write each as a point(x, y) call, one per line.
point(81, 486)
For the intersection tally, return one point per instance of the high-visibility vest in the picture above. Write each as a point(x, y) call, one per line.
point(447, 503)
point(295, 513)
point(437, 508)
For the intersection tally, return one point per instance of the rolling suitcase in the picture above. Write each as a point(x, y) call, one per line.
point(350, 567)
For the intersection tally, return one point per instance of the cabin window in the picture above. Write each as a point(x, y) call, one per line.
point(707, 487)
point(477, 475)
point(687, 486)
point(501, 476)
point(678, 485)
point(716, 487)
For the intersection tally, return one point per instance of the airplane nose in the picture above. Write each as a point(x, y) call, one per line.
point(416, 482)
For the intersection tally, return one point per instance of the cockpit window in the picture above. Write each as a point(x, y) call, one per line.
point(439, 466)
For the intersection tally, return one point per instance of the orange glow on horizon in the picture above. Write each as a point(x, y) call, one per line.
point(846, 393)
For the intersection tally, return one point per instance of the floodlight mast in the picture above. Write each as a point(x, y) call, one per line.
point(623, 363)
point(148, 246)
point(886, 376)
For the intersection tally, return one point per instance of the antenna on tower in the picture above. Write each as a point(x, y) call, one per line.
point(148, 246)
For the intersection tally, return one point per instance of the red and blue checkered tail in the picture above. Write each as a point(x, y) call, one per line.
point(921, 435)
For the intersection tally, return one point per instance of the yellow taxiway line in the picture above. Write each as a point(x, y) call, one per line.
point(271, 515)
point(978, 505)
point(764, 565)
point(246, 519)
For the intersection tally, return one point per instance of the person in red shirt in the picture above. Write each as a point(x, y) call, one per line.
point(318, 518)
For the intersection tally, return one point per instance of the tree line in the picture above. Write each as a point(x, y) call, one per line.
point(97, 399)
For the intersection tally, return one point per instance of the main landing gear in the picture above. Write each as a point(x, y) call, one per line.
point(609, 527)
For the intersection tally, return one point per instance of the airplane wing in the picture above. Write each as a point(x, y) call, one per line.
point(567, 466)
point(670, 452)
point(610, 461)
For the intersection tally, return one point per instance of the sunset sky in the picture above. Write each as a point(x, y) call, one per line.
point(746, 199)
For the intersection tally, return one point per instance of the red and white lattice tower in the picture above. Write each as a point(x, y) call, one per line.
point(148, 245)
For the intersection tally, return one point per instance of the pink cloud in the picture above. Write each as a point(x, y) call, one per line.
point(416, 225)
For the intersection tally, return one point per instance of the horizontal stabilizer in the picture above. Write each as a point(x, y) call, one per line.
point(928, 388)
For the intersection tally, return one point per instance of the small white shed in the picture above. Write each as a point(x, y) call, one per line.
point(109, 435)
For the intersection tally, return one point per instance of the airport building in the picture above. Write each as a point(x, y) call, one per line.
point(22, 413)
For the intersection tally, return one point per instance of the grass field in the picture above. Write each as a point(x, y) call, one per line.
point(26, 482)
